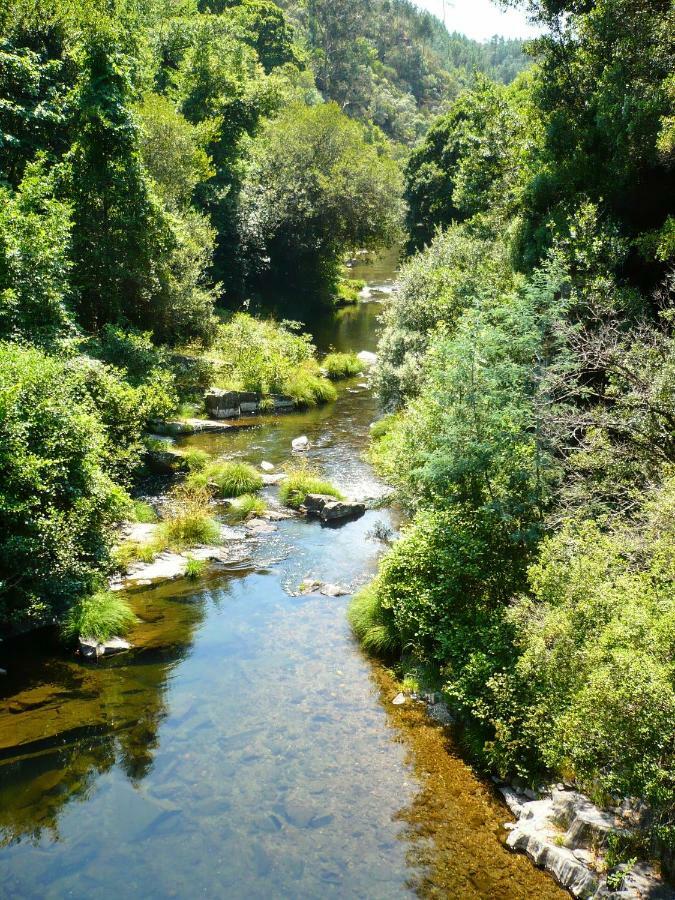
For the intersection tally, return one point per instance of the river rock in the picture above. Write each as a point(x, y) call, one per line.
point(222, 404)
point(367, 358)
point(275, 478)
point(299, 444)
point(90, 648)
point(399, 699)
point(165, 462)
point(328, 509)
point(266, 466)
point(333, 590)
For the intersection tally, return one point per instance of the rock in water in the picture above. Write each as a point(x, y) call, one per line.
point(300, 443)
point(266, 466)
point(93, 649)
point(367, 358)
point(328, 509)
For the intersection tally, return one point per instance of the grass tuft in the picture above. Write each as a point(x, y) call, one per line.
point(245, 506)
point(301, 481)
point(372, 624)
point(100, 617)
point(194, 568)
point(308, 388)
point(196, 459)
point(227, 479)
point(189, 521)
point(342, 365)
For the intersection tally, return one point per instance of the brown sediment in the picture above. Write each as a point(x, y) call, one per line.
point(455, 824)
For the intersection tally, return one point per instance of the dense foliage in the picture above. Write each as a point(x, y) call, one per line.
point(529, 363)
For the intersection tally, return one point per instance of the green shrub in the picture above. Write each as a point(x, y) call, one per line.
point(301, 481)
point(245, 506)
point(103, 615)
point(372, 624)
point(144, 512)
point(257, 355)
point(342, 365)
point(348, 291)
point(58, 505)
point(189, 522)
point(227, 479)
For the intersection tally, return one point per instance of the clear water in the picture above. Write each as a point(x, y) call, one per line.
point(246, 748)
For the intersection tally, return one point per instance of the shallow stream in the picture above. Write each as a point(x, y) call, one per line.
point(247, 748)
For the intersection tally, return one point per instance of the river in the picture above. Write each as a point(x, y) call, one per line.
point(246, 748)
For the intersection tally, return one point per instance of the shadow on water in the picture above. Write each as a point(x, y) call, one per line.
point(246, 748)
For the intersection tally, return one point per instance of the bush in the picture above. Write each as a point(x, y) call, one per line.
point(227, 479)
point(348, 291)
point(100, 617)
point(372, 624)
point(189, 522)
point(58, 505)
point(301, 481)
point(245, 506)
point(342, 365)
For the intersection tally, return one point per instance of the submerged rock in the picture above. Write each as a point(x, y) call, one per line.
point(300, 443)
point(90, 648)
point(328, 509)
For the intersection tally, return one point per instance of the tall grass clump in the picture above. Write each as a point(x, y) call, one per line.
point(308, 387)
point(100, 617)
point(373, 625)
point(189, 521)
point(196, 459)
point(342, 365)
point(227, 478)
point(245, 506)
point(301, 481)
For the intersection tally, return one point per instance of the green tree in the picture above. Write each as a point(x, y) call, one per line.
point(314, 189)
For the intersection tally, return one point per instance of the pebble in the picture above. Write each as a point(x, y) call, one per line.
point(399, 699)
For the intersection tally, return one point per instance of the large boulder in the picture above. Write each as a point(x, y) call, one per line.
point(222, 404)
point(329, 509)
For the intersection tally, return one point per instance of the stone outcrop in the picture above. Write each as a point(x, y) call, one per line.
point(328, 509)
point(222, 404)
point(565, 834)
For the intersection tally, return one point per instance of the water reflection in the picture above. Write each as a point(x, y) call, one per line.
point(64, 723)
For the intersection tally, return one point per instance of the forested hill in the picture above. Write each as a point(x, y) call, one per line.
point(392, 63)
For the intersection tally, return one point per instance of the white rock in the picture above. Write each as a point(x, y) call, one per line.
point(300, 443)
point(367, 358)
point(266, 466)
point(333, 590)
point(399, 699)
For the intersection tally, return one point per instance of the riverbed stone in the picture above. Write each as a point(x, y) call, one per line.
point(300, 444)
point(90, 648)
point(266, 466)
point(328, 509)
